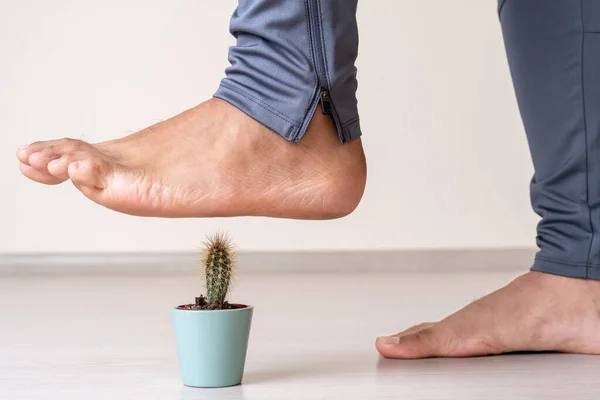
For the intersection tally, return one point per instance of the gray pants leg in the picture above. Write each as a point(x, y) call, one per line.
point(292, 56)
point(553, 49)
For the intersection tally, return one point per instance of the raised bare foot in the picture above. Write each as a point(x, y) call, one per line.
point(535, 312)
point(210, 161)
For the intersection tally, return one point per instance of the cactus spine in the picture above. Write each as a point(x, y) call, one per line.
point(219, 264)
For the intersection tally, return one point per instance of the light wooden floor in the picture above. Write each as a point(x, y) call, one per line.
point(110, 337)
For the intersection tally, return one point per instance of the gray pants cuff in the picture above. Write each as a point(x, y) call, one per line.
point(259, 110)
point(291, 56)
point(569, 270)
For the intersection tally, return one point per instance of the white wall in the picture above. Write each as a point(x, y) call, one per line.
point(448, 160)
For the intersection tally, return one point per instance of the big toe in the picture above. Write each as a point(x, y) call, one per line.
point(90, 172)
point(423, 343)
point(415, 328)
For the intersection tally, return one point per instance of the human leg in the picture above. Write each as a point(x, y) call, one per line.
point(223, 158)
point(554, 55)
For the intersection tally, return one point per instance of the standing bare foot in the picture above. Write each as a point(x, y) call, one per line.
point(535, 312)
point(212, 160)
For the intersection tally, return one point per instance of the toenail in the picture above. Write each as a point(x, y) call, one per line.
point(389, 339)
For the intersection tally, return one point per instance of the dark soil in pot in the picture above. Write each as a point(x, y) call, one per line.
point(201, 304)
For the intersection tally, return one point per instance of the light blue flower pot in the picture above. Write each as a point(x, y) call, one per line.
point(212, 345)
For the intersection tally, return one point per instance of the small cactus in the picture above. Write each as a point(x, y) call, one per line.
point(219, 265)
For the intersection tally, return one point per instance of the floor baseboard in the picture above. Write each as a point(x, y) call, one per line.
point(307, 261)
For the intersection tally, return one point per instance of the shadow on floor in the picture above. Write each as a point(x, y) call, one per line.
point(227, 393)
point(500, 364)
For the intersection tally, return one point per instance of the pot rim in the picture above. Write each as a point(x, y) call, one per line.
point(246, 307)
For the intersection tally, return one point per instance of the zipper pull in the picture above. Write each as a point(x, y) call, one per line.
point(325, 101)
